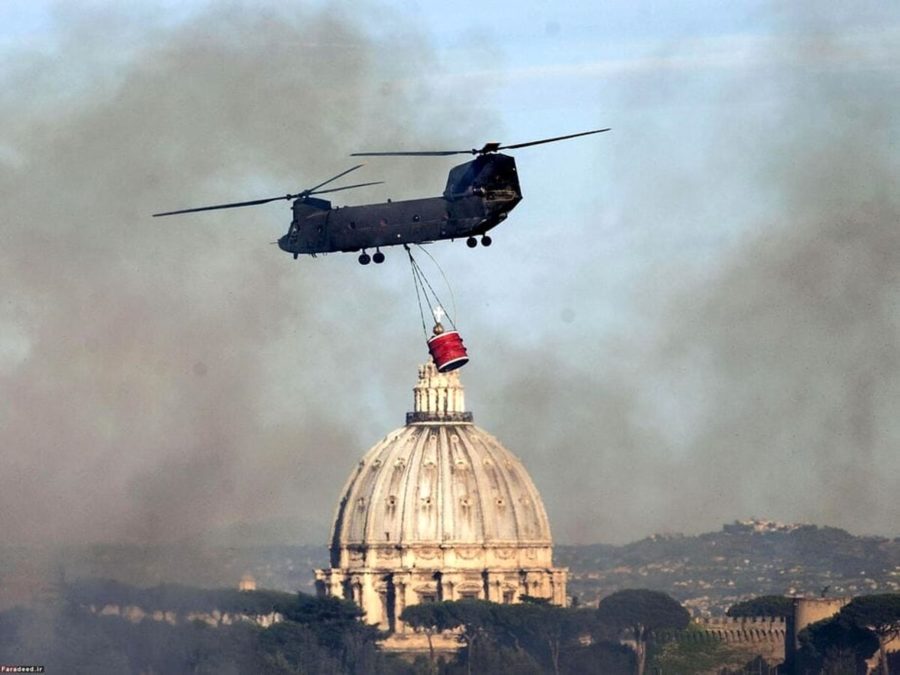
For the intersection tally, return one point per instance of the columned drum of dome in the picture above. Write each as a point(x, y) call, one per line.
point(439, 510)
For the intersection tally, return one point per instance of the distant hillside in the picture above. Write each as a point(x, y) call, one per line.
point(32, 574)
point(709, 572)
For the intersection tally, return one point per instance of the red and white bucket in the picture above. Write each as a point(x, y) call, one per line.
point(448, 351)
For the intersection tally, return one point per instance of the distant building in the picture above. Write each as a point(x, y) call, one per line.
point(761, 526)
point(247, 583)
point(439, 510)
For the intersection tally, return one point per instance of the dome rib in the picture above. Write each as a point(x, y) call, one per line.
point(394, 484)
point(509, 496)
point(478, 497)
point(465, 521)
point(409, 526)
point(373, 507)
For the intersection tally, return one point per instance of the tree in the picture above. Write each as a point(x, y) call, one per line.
point(430, 618)
point(640, 612)
point(764, 605)
point(542, 630)
point(599, 658)
point(697, 652)
point(525, 637)
point(294, 647)
point(474, 618)
point(835, 645)
point(336, 626)
point(879, 613)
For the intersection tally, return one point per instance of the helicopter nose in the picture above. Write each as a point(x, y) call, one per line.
point(282, 243)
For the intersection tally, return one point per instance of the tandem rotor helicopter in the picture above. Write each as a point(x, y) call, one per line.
point(478, 197)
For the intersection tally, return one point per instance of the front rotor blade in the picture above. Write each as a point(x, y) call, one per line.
point(486, 149)
point(550, 140)
point(427, 153)
point(343, 173)
point(346, 187)
point(233, 205)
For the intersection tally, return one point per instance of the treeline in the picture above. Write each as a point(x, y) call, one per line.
point(176, 597)
point(326, 636)
point(531, 637)
point(318, 635)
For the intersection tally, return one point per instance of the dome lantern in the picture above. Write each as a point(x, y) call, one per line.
point(438, 397)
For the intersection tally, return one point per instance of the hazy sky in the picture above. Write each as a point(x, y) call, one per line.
point(690, 319)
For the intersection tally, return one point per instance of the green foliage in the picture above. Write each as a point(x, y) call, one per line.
point(879, 612)
point(296, 648)
point(175, 597)
point(533, 600)
point(835, 645)
point(485, 656)
point(694, 652)
point(429, 616)
point(543, 631)
point(471, 615)
point(642, 611)
point(530, 637)
point(600, 658)
point(334, 622)
point(764, 605)
point(319, 635)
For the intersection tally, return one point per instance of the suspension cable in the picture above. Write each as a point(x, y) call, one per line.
point(424, 288)
point(427, 290)
point(446, 281)
point(417, 283)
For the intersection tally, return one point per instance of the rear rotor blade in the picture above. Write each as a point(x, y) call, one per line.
point(342, 173)
point(256, 202)
point(233, 205)
point(550, 140)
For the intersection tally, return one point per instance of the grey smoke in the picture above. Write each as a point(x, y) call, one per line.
point(164, 376)
point(161, 378)
point(765, 381)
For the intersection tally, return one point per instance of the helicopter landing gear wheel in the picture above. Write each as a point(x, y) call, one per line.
point(378, 257)
point(295, 255)
point(471, 242)
point(364, 258)
point(486, 241)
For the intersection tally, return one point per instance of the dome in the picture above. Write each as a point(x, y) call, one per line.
point(440, 484)
point(439, 509)
point(439, 480)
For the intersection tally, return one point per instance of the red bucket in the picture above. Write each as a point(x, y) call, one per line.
point(448, 351)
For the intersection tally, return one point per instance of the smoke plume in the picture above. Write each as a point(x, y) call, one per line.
point(763, 381)
point(161, 377)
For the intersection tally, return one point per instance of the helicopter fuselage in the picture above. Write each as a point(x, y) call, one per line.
point(478, 197)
